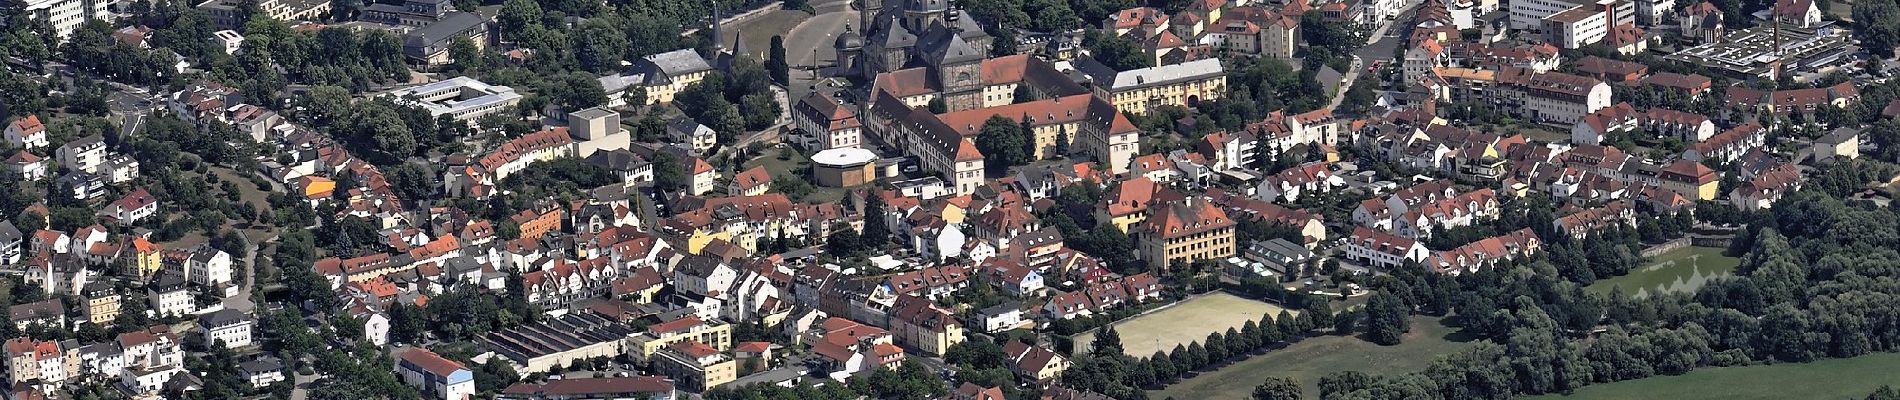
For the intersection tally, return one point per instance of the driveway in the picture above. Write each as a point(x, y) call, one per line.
point(242, 300)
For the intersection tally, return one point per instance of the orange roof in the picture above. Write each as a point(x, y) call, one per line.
point(1005, 69)
point(29, 125)
point(674, 325)
point(754, 177)
point(144, 246)
point(966, 151)
point(429, 361)
point(700, 166)
point(752, 347)
point(1188, 218)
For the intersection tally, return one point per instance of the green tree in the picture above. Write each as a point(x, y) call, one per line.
point(1116, 52)
point(877, 232)
point(466, 55)
point(1107, 342)
point(1004, 144)
point(1877, 22)
point(516, 15)
point(844, 243)
point(1277, 388)
point(669, 171)
point(1386, 319)
point(776, 62)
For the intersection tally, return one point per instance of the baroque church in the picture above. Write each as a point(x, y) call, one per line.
point(914, 33)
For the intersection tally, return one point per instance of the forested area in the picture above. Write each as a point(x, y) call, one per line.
point(1818, 280)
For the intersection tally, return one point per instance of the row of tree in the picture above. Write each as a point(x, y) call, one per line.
point(1106, 368)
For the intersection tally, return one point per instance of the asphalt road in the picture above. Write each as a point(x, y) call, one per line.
point(1378, 48)
point(809, 43)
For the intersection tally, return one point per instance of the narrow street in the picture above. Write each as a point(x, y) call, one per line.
point(1379, 45)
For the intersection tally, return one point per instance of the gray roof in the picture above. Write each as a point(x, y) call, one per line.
point(661, 67)
point(700, 266)
point(438, 33)
point(1002, 308)
point(592, 113)
point(685, 127)
point(9, 233)
point(168, 281)
point(1283, 248)
point(261, 366)
point(1839, 135)
point(1111, 79)
point(887, 33)
point(616, 160)
point(225, 317)
point(945, 46)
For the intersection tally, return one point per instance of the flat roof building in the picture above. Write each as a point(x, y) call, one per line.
point(462, 97)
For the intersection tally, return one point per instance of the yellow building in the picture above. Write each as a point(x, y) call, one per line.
point(147, 257)
point(717, 335)
point(1140, 90)
point(1127, 206)
point(922, 325)
point(662, 75)
point(694, 366)
point(1186, 231)
point(102, 303)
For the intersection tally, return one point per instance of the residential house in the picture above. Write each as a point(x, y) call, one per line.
point(27, 166)
point(1583, 223)
point(1384, 250)
point(434, 376)
point(130, 209)
point(1034, 363)
point(694, 366)
point(751, 182)
point(227, 326)
point(27, 133)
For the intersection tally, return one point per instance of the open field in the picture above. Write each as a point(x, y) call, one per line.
point(1847, 378)
point(1677, 271)
point(1316, 357)
point(1188, 321)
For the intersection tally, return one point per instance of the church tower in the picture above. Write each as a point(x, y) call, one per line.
point(868, 11)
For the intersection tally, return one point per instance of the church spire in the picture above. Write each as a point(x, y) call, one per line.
point(718, 40)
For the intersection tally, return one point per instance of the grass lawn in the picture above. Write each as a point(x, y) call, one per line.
point(1316, 357)
point(1677, 271)
point(759, 30)
point(1185, 322)
point(1847, 378)
point(796, 166)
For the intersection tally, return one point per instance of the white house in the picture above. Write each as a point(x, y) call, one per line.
point(27, 133)
point(1384, 250)
point(436, 377)
point(262, 372)
point(231, 327)
point(148, 381)
point(1002, 317)
point(133, 207)
point(209, 267)
point(28, 166)
point(169, 296)
point(84, 154)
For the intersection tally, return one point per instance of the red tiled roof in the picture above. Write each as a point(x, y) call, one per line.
point(429, 361)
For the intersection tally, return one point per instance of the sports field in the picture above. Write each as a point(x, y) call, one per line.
point(1846, 378)
point(1677, 271)
point(1184, 322)
point(1315, 357)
